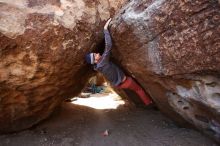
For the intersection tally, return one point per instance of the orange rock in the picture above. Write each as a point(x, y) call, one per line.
point(43, 44)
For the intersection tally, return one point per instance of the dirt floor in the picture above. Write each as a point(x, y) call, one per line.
point(75, 125)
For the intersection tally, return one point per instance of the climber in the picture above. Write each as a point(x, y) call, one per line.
point(112, 72)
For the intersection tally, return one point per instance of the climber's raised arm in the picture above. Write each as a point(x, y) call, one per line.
point(108, 40)
point(108, 45)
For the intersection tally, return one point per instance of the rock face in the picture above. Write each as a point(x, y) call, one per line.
point(43, 43)
point(172, 47)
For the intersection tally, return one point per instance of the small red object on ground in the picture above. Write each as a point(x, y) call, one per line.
point(105, 133)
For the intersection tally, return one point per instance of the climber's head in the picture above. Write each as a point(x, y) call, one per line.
point(93, 58)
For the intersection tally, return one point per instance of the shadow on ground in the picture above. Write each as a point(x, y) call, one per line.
point(75, 125)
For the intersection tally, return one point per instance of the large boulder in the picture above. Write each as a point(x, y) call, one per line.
point(42, 48)
point(172, 48)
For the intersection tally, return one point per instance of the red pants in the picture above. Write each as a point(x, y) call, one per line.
point(129, 83)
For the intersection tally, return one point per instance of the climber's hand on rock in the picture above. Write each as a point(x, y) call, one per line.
point(107, 23)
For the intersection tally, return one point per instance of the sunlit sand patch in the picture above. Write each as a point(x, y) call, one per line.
point(100, 101)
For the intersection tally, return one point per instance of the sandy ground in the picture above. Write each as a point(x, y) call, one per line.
point(75, 125)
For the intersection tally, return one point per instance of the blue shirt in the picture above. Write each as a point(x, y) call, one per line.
point(110, 71)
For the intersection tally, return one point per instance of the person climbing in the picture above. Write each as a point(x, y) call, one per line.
point(112, 72)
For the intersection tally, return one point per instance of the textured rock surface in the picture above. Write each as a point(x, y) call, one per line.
point(42, 45)
point(172, 47)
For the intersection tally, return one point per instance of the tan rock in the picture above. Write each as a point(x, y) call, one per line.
point(43, 44)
